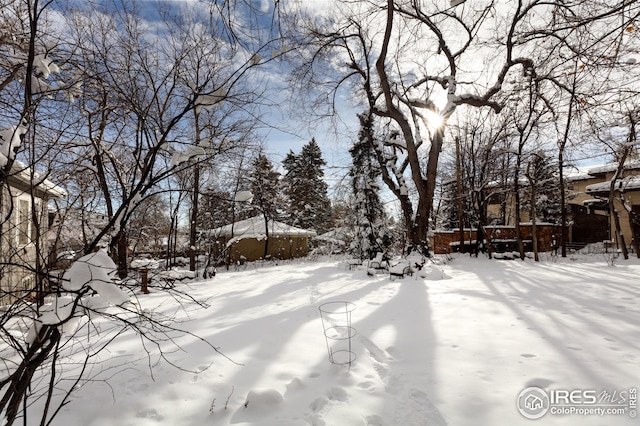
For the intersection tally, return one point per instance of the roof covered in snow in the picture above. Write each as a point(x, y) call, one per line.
point(627, 183)
point(612, 167)
point(24, 179)
point(577, 173)
point(255, 227)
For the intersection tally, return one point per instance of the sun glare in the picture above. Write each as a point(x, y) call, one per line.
point(433, 120)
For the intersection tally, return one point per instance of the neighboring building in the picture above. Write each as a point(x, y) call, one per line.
point(245, 241)
point(498, 238)
point(587, 193)
point(20, 202)
point(587, 202)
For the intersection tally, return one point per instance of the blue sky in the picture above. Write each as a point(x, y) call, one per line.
point(283, 131)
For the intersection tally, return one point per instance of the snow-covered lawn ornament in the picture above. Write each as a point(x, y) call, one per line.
point(144, 265)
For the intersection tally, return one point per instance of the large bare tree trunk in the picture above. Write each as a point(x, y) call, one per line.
point(532, 195)
point(622, 245)
point(193, 228)
point(459, 195)
point(118, 249)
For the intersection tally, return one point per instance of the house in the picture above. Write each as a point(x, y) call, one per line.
point(253, 239)
point(24, 221)
point(586, 194)
point(588, 202)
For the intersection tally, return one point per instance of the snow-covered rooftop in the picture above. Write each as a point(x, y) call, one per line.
point(255, 226)
point(25, 176)
point(625, 184)
point(612, 167)
point(577, 173)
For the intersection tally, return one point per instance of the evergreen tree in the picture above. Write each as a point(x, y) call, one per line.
point(547, 197)
point(264, 184)
point(308, 203)
point(215, 209)
point(368, 212)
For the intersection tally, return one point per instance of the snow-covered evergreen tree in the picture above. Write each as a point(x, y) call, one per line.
point(308, 204)
point(371, 234)
point(543, 170)
point(264, 182)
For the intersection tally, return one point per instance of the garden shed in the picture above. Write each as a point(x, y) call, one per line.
point(255, 238)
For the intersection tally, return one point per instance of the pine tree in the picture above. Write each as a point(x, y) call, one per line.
point(264, 183)
point(308, 204)
point(215, 209)
point(368, 212)
point(547, 207)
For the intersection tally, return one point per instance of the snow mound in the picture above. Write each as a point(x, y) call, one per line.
point(94, 267)
point(60, 310)
point(262, 399)
point(97, 271)
point(176, 274)
point(433, 273)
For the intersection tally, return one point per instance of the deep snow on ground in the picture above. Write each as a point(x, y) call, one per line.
point(454, 351)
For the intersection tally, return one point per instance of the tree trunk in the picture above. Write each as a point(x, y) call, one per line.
point(193, 229)
point(266, 233)
point(622, 245)
point(517, 203)
point(118, 249)
point(563, 203)
point(633, 224)
point(534, 233)
point(459, 195)
point(21, 379)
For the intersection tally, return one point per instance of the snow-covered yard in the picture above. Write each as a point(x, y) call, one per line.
point(454, 351)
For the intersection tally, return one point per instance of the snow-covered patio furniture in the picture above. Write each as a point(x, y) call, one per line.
point(353, 263)
point(400, 269)
point(378, 263)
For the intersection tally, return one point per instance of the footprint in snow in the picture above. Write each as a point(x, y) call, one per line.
point(337, 394)
point(318, 403)
point(374, 351)
point(368, 386)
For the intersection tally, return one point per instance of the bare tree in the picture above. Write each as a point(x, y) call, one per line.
point(411, 66)
point(131, 134)
point(140, 113)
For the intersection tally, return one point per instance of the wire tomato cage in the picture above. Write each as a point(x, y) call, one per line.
point(338, 331)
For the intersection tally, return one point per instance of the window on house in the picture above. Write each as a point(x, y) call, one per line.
point(23, 222)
